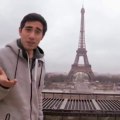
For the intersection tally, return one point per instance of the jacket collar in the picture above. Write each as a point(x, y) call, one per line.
point(38, 52)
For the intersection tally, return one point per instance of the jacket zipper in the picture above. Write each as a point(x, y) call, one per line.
point(30, 77)
point(31, 96)
point(31, 87)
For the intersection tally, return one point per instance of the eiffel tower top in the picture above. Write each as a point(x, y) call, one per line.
point(81, 43)
point(82, 10)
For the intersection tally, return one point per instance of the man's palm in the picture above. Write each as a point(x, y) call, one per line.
point(4, 80)
point(3, 76)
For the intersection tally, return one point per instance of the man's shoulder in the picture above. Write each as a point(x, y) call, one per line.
point(3, 50)
point(7, 48)
point(3, 53)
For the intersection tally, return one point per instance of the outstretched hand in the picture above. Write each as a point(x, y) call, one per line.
point(4, 80)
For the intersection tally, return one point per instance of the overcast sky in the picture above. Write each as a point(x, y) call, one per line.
point(102, 31)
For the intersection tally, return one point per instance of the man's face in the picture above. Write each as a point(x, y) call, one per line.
point(31, 34)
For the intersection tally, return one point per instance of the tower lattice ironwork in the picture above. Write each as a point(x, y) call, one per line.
point(81, 52)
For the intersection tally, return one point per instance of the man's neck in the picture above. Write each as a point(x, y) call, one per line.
point(30, 53)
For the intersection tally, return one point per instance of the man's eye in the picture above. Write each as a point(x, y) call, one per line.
point(38, 31)
point(28, 29)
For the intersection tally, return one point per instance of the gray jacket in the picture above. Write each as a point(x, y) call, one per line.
point(24, 100)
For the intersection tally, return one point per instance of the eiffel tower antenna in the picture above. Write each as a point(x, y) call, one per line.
point(82, 3)
point(81, 52)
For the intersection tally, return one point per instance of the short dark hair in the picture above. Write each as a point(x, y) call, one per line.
point(34, 17)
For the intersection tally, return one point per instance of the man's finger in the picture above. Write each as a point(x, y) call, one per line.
point(8, 83)
point(2, 71)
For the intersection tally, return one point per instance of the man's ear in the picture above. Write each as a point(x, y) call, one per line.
point(43, 36)
point(20, 30)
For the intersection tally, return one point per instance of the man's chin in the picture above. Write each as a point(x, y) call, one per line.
point(30, 48)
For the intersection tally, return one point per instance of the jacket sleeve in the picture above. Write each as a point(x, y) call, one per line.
point(3, 91)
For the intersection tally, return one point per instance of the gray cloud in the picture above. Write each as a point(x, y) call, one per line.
point(61, 41)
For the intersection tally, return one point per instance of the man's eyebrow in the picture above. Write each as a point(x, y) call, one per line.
point(32, 27)
point(28, 26)
point(39, 29)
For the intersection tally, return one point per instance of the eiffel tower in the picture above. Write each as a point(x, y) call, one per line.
point(81, 52)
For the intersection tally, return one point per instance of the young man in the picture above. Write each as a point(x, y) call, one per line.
point(22, 72)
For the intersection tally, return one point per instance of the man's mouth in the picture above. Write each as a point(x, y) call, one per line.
point(30, 43)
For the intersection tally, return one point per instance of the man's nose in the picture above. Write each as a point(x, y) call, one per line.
point(32, 35)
